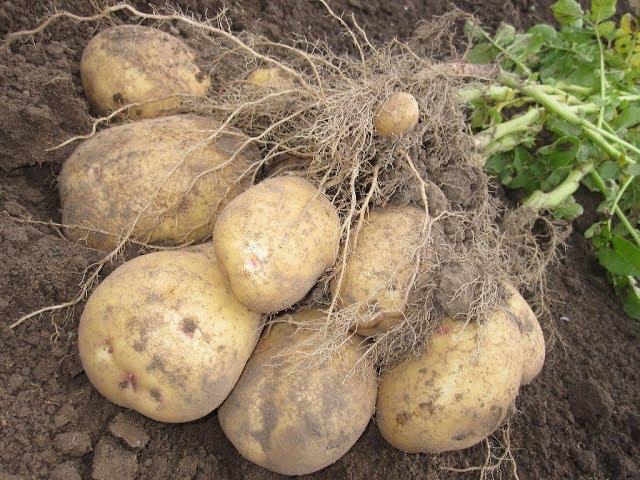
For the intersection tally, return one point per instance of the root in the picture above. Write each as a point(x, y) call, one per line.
point(494, 462)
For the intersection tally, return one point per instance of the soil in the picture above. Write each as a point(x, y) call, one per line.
point(579, 420)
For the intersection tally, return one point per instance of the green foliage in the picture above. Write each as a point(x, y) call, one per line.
point(585, 69)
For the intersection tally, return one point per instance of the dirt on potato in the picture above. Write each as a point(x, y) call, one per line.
point(578, 420)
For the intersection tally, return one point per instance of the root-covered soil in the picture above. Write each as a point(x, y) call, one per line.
point(579, 419)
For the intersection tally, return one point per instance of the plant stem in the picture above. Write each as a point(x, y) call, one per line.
point(596, 133)
point(521, 66)
point(541, 200)
point(517, 124)
point(619, 213)
point(603, 80)
point(496, 93)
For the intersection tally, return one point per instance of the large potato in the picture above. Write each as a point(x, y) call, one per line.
point(145, 168)
point(298, 418)
point(163, 335)
point(274, 241)
point(457, 392)
point(134, 64)
point(380, 267)
point(533, 346)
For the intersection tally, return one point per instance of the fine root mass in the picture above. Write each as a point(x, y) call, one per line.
point(311, 112)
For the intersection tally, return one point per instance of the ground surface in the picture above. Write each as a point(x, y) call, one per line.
point(579, 420)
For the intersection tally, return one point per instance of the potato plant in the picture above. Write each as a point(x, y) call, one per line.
point(578, 84)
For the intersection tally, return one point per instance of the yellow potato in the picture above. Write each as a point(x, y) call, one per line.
point(380, 267)
point(274, 240)
point(295, 418)
point(134, 64)
point(163, 335)
point(457, 392)
point(533, 346)
point(110, 179)
point(396, 115)
point(270, 78)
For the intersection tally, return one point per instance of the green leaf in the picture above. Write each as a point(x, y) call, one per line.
point(633, 169)
point(609, 170)
point(473, 31)
point(616, 263)
point(560, 127)
point(623, 259)
point(606, 28)
point(547, 32)
point(629, 117)
point(568, 210)
point(602, 10)
point(561, 152)
point(567, 12)
point(483, 53)
point(631, 304)
point(505, 35)
point(628, 250)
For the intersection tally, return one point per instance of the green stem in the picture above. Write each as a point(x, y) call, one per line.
point(495, 93)
point(623, 188)
point(603, 80)
point(619, 213)
point(596, 133)
point(518, 124)
point(521, 66)
point(540, 200)
point(567, 87)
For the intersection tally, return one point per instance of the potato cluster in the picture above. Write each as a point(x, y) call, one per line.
point(176, 333)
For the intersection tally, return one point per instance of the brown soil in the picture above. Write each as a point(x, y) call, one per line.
point(579, 420)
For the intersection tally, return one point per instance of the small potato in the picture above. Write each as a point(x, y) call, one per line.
point(274, 78)
point(146, 168)
point(457, 392)
point(380, 267)
point(134, 64)
point(274, 241)
point(396, 115)
point(296, 419)
point(163, 335)
point(533, 345)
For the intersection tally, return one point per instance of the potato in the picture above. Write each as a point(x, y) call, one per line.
point(134, 64)
point(270, 78)
point(396, 115)
point(296, 418)
point(163, 335)
point(380, 267)
point(274, 241)
point(456, 392)
point(110, 179)
point(533, 346)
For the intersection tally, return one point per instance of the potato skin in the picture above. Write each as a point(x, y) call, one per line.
point(380, 267)
point(294, 419)
point(275, 78)
point(163, 335)
point(274, 240)
point(457, 392)
point(533, 345)
point(110, 178)
point(133, 64)
point(396, 114)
